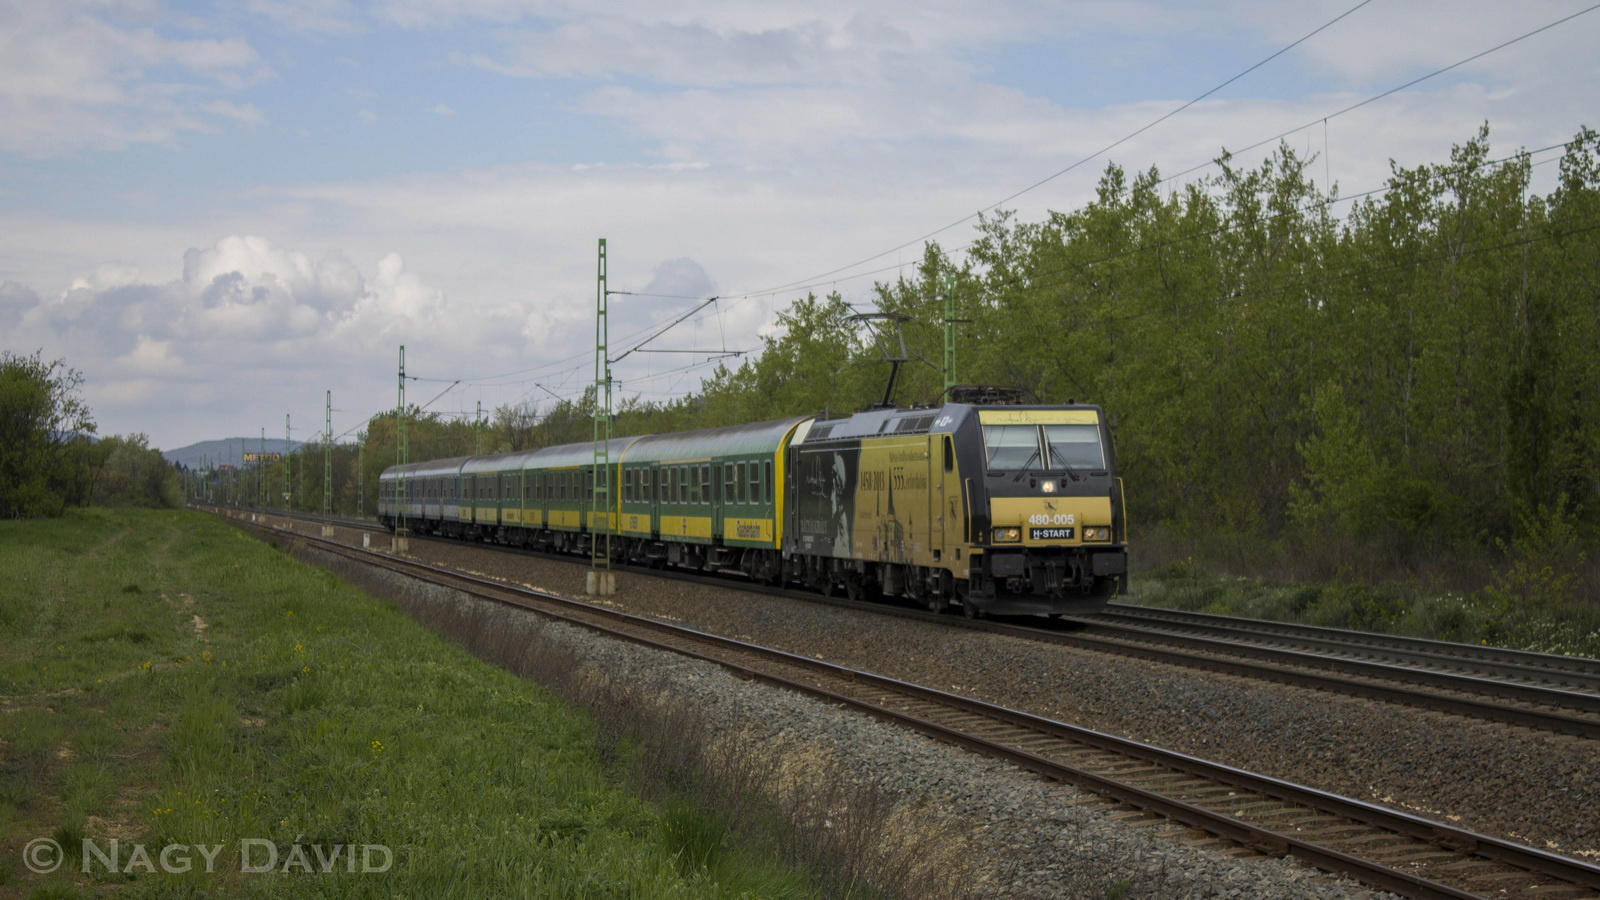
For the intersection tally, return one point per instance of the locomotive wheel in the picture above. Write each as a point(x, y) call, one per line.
point(936, 602)
point(967, 609)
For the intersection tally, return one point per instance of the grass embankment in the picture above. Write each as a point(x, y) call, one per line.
point(1530, 598)
point(170, 684)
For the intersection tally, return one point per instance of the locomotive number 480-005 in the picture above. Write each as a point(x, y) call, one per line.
point(1048, 519)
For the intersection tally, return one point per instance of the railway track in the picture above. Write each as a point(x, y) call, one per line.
point(1565, 673)
point(1539, 691)
point(1394, 851)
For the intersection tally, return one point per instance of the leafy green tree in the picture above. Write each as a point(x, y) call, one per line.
point(129, 472)
point(44, 426)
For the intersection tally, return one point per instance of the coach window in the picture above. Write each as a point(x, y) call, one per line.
point(755, 482)
point(738, 482)
point(705, 483)
point(683, 484)
point(766, 469)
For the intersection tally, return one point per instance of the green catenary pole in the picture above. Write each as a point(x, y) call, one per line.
point(600, 553)
point(402, 452)
point(477, 431)
point(949, 334)
point(327, 458)
point(288, 488)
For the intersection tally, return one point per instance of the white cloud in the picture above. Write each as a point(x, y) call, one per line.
point(76, 74)
point(322, 16)
point(243, 113)
point(150, 357)
point(442, 110)
point(245, 317)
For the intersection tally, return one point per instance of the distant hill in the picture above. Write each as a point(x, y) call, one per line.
point(228, 452)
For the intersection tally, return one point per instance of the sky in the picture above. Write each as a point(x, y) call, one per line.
point(217, 212)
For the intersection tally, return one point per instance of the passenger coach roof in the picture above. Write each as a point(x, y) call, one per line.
point(757, 438)
point(557, 457)
point(494, 462)
point(426, 468)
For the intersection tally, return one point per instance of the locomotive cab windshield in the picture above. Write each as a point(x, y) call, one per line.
point(1072, 447)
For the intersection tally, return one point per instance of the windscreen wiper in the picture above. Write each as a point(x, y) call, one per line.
point(1024, 470)
point(1055, 456)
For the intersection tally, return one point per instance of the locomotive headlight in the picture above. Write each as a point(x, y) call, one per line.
point(1049, 487)
point(1007, 535)
point(1097, 534)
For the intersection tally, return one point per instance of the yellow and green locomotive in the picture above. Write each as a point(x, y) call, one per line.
point(992, 507)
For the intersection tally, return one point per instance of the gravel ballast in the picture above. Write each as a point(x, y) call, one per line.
point(1529, 786)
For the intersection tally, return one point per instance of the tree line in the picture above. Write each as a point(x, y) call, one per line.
point(49, 456)
point(1423, 370)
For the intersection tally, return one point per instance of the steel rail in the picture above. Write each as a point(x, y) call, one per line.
point(1574, 672)
point(1368, 680)
point(1291, 666)
point(1573, 872)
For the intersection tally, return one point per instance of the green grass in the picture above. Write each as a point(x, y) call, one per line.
point(165, 680)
